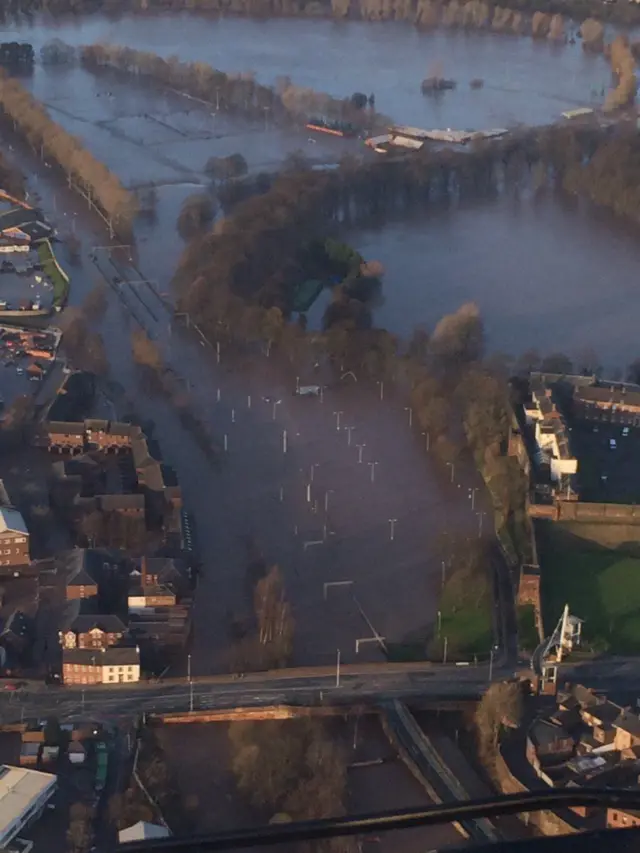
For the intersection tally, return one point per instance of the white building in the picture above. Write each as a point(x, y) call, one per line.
point(552, 435)
point(23, 795)
point(142, 830)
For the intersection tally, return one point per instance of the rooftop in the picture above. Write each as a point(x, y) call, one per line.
point(113, 656)
point(12, 520)
point(20, 789)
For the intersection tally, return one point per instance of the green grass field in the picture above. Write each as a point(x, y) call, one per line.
point(600, 585)
point(50, 269)
point(466, 606)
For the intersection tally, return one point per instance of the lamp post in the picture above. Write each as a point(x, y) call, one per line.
point(338, 668)
point(372, 465)
point(360, 449)
point(349, 430)
point(472, 495)
point(392, 524)
point(410, 410)
point(453, 469)
point(338, 415)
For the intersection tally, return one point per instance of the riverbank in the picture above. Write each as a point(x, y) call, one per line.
point(515, 17)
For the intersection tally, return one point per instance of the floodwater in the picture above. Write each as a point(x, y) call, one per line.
point(540, 271)
point(525, 80)
point(546, 273)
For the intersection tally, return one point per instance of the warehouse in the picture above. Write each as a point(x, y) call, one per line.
point(23, 795)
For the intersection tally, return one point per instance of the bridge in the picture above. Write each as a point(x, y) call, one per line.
point(354, 684)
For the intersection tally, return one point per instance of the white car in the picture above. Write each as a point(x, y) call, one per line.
point(612, 443)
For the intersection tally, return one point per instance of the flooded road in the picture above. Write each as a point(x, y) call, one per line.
point(526, 80)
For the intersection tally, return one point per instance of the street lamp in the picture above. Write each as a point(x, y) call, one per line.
point(360, 449)
point(338, 668)
point(428, 436)
point(453, 468)
point(472, 496)
point(392, 524)
point(326, 500)
point(381, 384)
point(410, 410)
point(275, 406)
point(372, 465)
point(349, 430)
point(338, 415)
point(312, 468)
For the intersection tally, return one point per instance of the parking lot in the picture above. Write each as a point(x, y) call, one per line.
point(608, 460)
point(23, 285)
point(26, 356)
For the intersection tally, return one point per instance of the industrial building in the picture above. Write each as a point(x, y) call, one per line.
point(23, 795)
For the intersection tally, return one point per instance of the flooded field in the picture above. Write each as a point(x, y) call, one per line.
point(201, 756)
point(545, 273)
point(525, 80)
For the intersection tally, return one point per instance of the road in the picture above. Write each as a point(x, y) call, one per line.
point(316, 686)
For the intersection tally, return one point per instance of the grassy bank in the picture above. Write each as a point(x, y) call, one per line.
point(465, 609)
point(600, 585)
point(54, 272)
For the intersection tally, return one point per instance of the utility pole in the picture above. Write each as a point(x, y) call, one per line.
point(491, 665)
point(381, 384)
point(472, 495)
point(326, 500)
point(217, 352)
point(372, 465)
point(444, 654)
point(284, 441)
point(444, 572)
point(480, 516)
point(410, 410)
point(392, 523)
point(338, 415)
point(453, 469)
point(428, 437)
point(349, 431)
point(439, 622)
point(338, 669)
point(360, 449)
point(312, 468)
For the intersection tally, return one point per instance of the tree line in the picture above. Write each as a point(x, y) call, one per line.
point(230, 92)
point(30, 117)
point(517, 16)
point(293, 770)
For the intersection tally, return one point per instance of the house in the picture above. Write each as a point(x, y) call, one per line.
point(548, 744)
point(130, 505)
point(61, 436)
point(163, 571)
point(601, 714)
point(598, 401)
point(618, 818)
point(14, 539)
point(90, 631)
point(80, 583)
point(108, 435)
point(142, 597)
point(116, 664)
point(627, 731)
